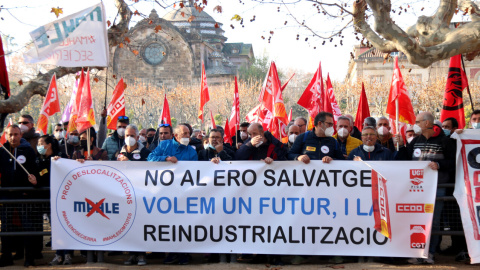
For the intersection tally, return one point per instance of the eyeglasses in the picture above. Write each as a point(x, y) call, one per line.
point(164, 125)
point(369, 134)
point(215, 137)
point(25, 123)
point(328, 124)
point(122, 118)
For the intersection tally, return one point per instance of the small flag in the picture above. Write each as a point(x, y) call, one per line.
point(116, 107)
point(380, 205)
point(453, 98)
point(51, 105)
point(165, 117)
point(363, 111)
point(204, 97)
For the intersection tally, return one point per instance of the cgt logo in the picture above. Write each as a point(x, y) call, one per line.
point(100, 207)
point(416, 179)
point(414, 208)
point(417, 236)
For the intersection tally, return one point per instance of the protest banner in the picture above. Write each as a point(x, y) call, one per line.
point(467, 188)
point(78, 40)
point(286, 207)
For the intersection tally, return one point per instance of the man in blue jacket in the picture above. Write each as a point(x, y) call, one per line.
point(175, 149)
point(317, 144)
point(370, 149)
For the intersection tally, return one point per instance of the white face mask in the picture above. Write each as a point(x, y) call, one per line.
point(121, 132)
point(184, 141)
point(58, 135)
point(23, 128)
point(409, 140)
point(343, 132)
point(368, 148)
point(130, 141)
point(329, 132)
point(243, 135)
point(292, 137)
point(476, 125)
point(382, 131)
point(417, 129)
point(73, 139)
point(142, 139)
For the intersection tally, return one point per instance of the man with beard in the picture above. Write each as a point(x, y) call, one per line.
point(215, 150)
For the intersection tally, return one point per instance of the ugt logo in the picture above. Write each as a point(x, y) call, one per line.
point(100, 207)
point(416, 180)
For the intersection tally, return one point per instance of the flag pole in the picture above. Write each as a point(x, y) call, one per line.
point(106, 90)
point(88, 141)
point(279, 129)
point(396, 120)
point(468, 87)
point(15, 159)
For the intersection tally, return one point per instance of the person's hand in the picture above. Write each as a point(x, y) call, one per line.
point(172, 159)
point(89, 158)
point(459, 131)
point(122, 158)
point(304, 158)
point(256, 140)
point(239, 144)
point(327, 159)
point(345, 156)
point(357, 158)
point(215, 160)
point(433, 165)
point(398, 138)
point(32, 179)
point(219, 147)
point(104, 113)
point(81, 160)
point(268, 160)
point(56, 157)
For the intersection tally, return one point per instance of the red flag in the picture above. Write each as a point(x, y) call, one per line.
point(86, 114)
point(398, 90)
point(257, 114)
point(204, 97)
point(234, 123)
point(3, 139)
point(363, 111)
point(312, 97)
point(165, 117)
point(51, 105)
point(72, 123)
point(227, 136)
point(381, 213)
point(213, 120)
point(453, 98)
point(4, 84)
point(290, 116)
point(286, 83)
point(335, 108)
point(116, 107)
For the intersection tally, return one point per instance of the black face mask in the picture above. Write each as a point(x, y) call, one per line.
point(83, 144)
point(150, 139)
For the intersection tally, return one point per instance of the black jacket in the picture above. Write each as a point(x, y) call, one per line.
point(379, 153)
point(273, 146)
point(209, 153)
point(12, 174)
point(139, 154)
point(315, 147)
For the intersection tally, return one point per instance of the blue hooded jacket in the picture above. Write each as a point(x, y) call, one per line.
point(170, 148)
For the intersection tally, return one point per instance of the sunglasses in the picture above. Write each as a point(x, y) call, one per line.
point(25, 123)
point(123, 118)
point(164, 125)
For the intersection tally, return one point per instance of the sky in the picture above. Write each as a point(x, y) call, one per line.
point(304, 54)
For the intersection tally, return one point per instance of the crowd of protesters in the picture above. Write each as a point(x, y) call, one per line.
point(427, 140)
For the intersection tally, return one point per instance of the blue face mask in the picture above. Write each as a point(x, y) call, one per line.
point(476, 125)
point(41, 150)
point(446, 131)
point(211, 147)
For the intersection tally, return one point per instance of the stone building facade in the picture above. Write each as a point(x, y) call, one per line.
point(171, 50)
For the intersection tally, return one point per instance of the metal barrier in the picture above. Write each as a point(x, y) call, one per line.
point(450, 223)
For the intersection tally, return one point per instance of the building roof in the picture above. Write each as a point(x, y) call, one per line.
point(238, 48)
point(176, 15)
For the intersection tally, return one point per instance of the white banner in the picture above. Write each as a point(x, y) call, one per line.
point(78, 40)
point(240, 207)
point(467, 188)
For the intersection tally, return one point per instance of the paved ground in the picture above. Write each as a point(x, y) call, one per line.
point(199, 262)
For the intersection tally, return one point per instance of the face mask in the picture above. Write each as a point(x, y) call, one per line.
point(417, 129)
point(142, 139)
point(243, 135)
point(73, 139)
point(476, 125)
point(58, 135)
point(368, 148)
point(329, 132)
point(382, 131)
point(446, 131)
point(64, 133)
point(292, 137)
point(83, 144)
point(121, 132)
point(409, 140)
point(150, 139)
point(130, 141)
point(211, 147)
point(184, 141)
point(343, 132)
point(41, 150)
point(23, 128)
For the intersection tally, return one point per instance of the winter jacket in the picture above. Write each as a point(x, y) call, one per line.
point(139, 154)
point(352, 143)
point(112, 145)
point(438, 148)
point(356, 133)
point(170, 148)
point(379, 153)
point(273, 148)
point(388, 143)
point(315, 147)
point(196, 144)
point(32, 138)
point(209, 153)
point(12, 174)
